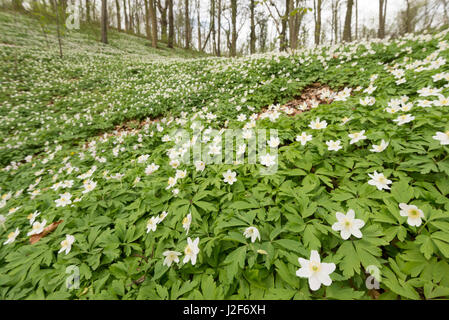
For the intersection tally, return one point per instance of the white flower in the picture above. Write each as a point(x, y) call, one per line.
point(267, 160)
point(405, 118)
point(180, 174)
point(151, 168)
point(171, 182)
point(357, 136)
point(443, 137)
point(442, 102)
point(273, 142)
point(200, 165)
point(317, 272)
point(2, 220)
point(379, 180)
point(33, 216)
point(345, 120)
point(143, 158)
point(252, 233)
point(379, 148)
point(64, 200)
point(12, 236)
point(304, 138)
point(174, 163)
point(334, 145)
point(89, 185)
point(162, 216)
point(152, 224)
point(170, 257)
point(186, 222)
point(191, 250)
point(413, 213)
point(13, 210)
point(37, 228)
point(229, 177)
point(66, 244)
point(347, 225)
point(241, 117)
point(317, 124)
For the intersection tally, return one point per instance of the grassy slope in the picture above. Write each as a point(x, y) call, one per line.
point(293, 209)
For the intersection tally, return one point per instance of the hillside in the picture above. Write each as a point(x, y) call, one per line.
point(91, 151)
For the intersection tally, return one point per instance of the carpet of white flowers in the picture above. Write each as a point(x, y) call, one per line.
point(362, 182)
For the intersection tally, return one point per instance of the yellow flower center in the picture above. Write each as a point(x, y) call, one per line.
point(414, 213)
point(64, 243)
point(348, 224)
point(315, 267)
point(30, 216)
point(185, 221)
point(188, 251)
point(11, 235)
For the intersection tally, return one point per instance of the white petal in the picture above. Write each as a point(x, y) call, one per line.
point(337, 226)
point(314, 283)
point(345, 234)
point(304, 272)
point(314, 256)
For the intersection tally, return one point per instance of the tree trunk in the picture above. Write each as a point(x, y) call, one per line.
point(88, 11)
point(283, 44)
point(234, 28)
point(382, 18)
point(136, 13)
point(164, 22)
point(318, 6)
point(104, 22)
point(130, 17)
point(152, 9)
point(198, 21)
point(119, 20)
point(58, 32)
point(126, 16)
point(187, 24)
point(171, 24)
point(219, 29)
point(252, 36)
point(347, 33)
point(212, 26)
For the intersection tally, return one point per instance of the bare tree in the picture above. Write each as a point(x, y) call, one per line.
point(296, 15)
point(234, 28)
point(171, 24)
point(119, 20)
point(187, 24)
point(219, 28)
point(88, 11)
point(252, 36)
point(150, 13)
point(382, 18)
point(198, 22)
point(317, 6)
point(126, 16)
point(104, 22)
point(164, 22)
point(58, 32)
point(347, 33)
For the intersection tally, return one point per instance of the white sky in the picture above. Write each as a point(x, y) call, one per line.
point(368, 15)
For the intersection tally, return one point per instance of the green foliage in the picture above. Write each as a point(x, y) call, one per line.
point(56, 112)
